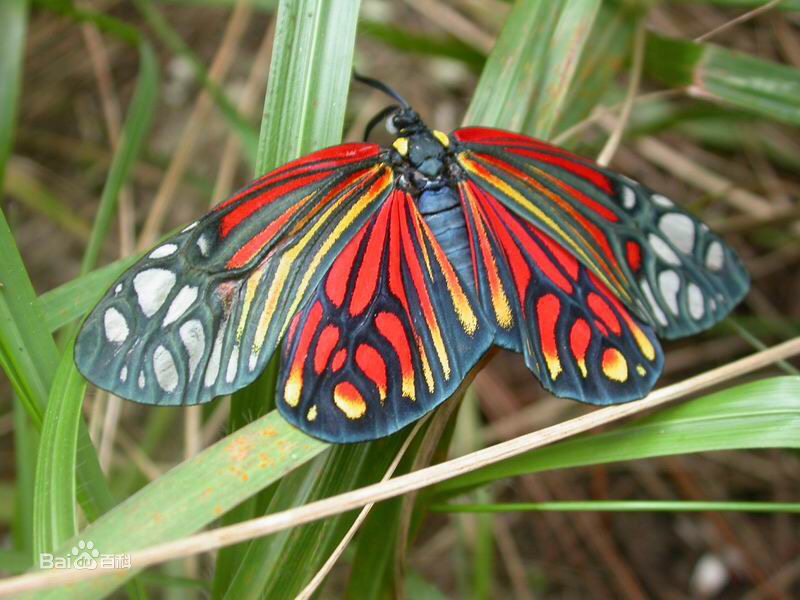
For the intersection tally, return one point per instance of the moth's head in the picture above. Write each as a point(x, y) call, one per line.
point(404, 122)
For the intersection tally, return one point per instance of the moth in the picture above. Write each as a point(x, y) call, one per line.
point(387, 273)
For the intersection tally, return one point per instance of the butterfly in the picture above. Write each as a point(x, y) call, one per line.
point(387, 273)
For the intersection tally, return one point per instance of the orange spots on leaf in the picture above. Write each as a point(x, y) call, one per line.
point(239, 449)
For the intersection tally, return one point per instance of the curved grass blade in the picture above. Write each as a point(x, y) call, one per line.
point(54, 506)
point(211, 483)
point(529, 72)
point(762, 414)
point(711, 72)
point(62, 305)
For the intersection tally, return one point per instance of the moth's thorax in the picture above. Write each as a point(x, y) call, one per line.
point(424, 158)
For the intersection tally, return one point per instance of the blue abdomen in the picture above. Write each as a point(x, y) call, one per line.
point(442, 211)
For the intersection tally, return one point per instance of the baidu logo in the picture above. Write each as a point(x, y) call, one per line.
point(84, 555)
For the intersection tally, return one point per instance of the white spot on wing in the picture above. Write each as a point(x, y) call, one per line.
point(669, 283)
point(628, 198)
point(233, 365)
point(662, 249)
point(164, 367)
point(648, 293)
point(162, 251)
point(194, 340)
point(118, 289)
point(189, 227)
point(212, 370)
point(152, 288)
point(662, 200)
point(696, 303)
point(115, 325)
point(202, 243)
point(183, 300)
point(253, 361)
point(715, 258)
point(123, 374)
point(680, 231)
point(141, 380)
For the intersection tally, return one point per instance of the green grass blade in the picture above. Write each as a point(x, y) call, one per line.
point(762, 414)
point(62, 305)
point(210, 484)
point(28, 353)
point(37, 197)
point(25, 454)
point(563, 53)
point(13, 26)
point(671, 506)
point(309, 79)
point(137, 124)
point(525, 82)
point(54, 501)
point(508, 83)
point(610, 44)
point(758, 86)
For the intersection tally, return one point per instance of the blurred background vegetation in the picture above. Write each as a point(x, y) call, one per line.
point(120, 121)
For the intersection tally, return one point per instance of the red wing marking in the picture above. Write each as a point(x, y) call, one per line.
point(241, 212)
point(392, 329)
point(580, 337)
point(633, 251)
point(338, 360)
point(372, 364)
point(349, 400)
point(603, 311)
point(367, 278)
point(326, 160)
point(614, 365)
point(336, 283)
point(548, 308)
point(294, 384)
point(325, 346)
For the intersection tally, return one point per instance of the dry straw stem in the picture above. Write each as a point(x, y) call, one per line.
point(610, 148)
point(247, 530)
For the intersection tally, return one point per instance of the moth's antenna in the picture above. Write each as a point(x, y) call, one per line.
point(378, 118)
point(379, 85)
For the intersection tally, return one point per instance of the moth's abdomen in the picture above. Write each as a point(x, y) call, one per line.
point(443, 213)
